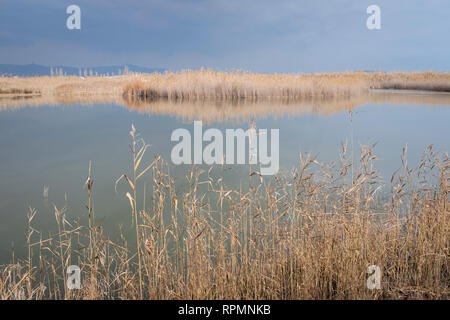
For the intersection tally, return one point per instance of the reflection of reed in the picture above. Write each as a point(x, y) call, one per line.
point(18, 102)
point(409, 97)
point(236, 110)
point(243, 110)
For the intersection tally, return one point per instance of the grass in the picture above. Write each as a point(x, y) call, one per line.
point(207, 84)
point(194, 85)
point(427, 81)
point(310, 233)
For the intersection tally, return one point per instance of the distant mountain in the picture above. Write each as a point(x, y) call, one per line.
point(30, 70)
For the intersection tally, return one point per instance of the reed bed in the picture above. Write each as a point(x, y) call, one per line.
point(422, 81)
point(205, 84)
point(51, 86)
point(309, 233)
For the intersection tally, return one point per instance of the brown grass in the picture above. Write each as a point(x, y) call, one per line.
point(240, 110)
point(427, 81)
point(307, 234)
point(208, 84)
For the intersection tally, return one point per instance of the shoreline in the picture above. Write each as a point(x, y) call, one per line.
point(202, 84)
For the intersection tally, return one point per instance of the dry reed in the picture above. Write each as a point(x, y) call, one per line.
point(207, 84)
point(307, 234)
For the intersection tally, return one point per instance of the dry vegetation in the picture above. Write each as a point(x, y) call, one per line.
point(208, 84)
point(427, 81)
point(307, 234)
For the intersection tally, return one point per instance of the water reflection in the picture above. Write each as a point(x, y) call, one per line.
point(241, 110)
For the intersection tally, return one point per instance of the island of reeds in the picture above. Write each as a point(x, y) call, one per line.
point(207, 84)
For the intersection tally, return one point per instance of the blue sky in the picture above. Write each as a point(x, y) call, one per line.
point(259, 35)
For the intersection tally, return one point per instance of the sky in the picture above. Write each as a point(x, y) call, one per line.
point(265, 36)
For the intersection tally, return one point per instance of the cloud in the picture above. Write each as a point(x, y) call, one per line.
point(257, 35)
